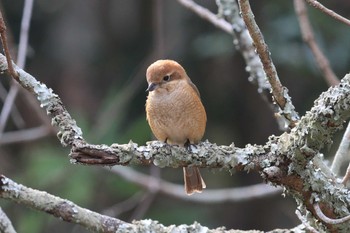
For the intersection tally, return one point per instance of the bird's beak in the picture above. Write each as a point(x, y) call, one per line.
point(152, 87)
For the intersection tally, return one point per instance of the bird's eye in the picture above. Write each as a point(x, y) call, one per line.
point(166, 78)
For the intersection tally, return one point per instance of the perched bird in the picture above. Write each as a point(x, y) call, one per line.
point(175, 112)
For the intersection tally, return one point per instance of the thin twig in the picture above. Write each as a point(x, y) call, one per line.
point(6, 49)
point(342, 153)
point(7, 107)
point(305, 223)
point(207, 15)
point(25, 135)
point(124, 206)
point(9, 102)
point(239, 194)
point(278, 91)
point(329, 12)
point(23, 39)
point(15, 114)
point(144, 203)
point(264, 53)
point(243, 42)
point(326, 219)
point(148, 198)
point(308, 37)
point(346, 176)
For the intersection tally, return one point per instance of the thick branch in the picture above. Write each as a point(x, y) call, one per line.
point(70, 212)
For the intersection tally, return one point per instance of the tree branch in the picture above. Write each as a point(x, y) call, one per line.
point(70, 212)
point(238, 194)
point(308, 37)
point(329, 12)
point(25, 135)
point(282, 160)
point(328, 220)
point(5, 46)
point(207, 15)
point(279, 92)
point(228, 10)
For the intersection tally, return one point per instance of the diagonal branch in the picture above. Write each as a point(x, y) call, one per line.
point(229, 20)
point(70, 212)
point(279, 92)
point(308, 37)
point(329, 12)
point(207, 15)
point(5, 46)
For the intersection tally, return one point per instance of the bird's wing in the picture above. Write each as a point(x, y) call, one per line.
point(194, 88)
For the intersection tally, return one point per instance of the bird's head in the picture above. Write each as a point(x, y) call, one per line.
point(165, 75)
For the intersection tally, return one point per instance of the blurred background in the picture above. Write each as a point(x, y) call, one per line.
point(94, 55)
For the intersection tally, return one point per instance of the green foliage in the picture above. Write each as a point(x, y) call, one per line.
point(31, 221)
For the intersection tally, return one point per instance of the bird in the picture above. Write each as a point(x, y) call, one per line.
point(175, 113)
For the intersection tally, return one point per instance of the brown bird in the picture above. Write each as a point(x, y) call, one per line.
point(175, 112)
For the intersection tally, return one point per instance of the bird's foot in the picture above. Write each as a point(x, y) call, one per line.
point(189, 146)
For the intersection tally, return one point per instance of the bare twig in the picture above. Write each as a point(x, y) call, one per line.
point(329, 12)
point(14, 88)
point(239, 194)
point(23, 40)
point(121, 207)
point(308, 37)
point(144, 203)
point(5, 223)
point(6, 49)
point(342, 153)
point(148, 198)
point(305, 223)
point(279, 92)
point(7, 107)
point(229, 10)
point(262, 50)
point(15, 114)
point(207, 15)
point(10, 99)
point(346, 176)
point(25, 135)
point(326, 219)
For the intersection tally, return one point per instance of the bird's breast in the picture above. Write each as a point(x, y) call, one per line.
point(176, 116)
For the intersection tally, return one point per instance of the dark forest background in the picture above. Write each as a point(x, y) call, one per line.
point(94, 55)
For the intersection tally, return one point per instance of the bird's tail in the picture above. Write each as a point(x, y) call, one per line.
point(193, 180)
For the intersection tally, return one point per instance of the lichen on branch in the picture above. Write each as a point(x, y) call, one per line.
point(285, 160)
